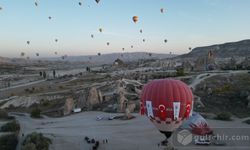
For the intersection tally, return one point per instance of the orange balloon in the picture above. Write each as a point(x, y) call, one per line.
point(135, 19)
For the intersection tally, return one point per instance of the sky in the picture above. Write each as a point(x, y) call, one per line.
point(184, 23)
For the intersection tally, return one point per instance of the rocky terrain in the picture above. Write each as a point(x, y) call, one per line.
point(225, 93)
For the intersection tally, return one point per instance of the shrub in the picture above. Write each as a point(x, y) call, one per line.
point(3, 114)
point(61, 87)
point(247, 121)
point(36, 141)
point(180, 72)
point(12, 126)
point(223, 116)
point(8, 142)
point(12, 94)
point(36, 113)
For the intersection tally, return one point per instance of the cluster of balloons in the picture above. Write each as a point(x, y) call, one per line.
point(135, 19)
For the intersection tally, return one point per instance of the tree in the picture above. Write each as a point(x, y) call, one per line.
point(54, 73)
point(44, 75)
point(36, 113)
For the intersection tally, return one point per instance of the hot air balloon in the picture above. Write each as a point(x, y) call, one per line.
point(92, 36)
point(80, 3)
point(135, 19)
point(50, 17)
point(108, 43)
point(56, 40)
point(167, 103)
point(1, 8)
point(22, 53)
point(197, 125)
point(100, 29)
point(141, 31)
point(190, 48)
point(123, 49)
point(37, 54)
point(165, 40)
point(97, 1)
point(55, 53)
point(28, 42)
point(99, 54)
point(162, 10)
point(36, 3)
point(132, 46)
point(143, 40)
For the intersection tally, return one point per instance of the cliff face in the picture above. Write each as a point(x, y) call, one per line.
point(236, 49)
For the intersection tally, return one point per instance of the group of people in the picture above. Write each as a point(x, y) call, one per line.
point(95, 142)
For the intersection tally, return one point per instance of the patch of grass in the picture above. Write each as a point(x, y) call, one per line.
point(223, 89)
point(12, 126)
point(8, 142)
point(36, 141)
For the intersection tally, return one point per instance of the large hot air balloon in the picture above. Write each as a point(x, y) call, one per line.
point(50, 17)
point(37, 54)
point(1, 8)
point(80, 3)
point(97, 1)
point(99, 54)
point(167, 103)
point(132, 46)
point(92, 36)
point(56, 40)
point(28, 42)
point(123, 49)
point(100, 29)
point(141, 31)
point(143, 40)
point(135, 19)
point(165, 40)
point(108, 43)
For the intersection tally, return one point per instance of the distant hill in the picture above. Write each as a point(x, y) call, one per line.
point(241, 49)
point(110, 58)
point(104, 58)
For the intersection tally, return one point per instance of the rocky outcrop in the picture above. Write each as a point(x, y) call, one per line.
point(94, 98)
point(227, 50)
point(68, 106)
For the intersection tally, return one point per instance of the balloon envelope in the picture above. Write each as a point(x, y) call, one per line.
point(135, 19)
point(166, 102)
point(197, 125)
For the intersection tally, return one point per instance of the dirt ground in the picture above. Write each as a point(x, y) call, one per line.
point(138, 134)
